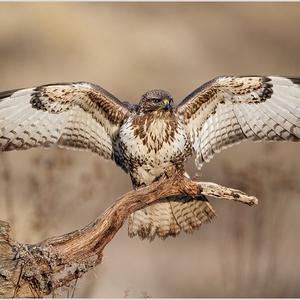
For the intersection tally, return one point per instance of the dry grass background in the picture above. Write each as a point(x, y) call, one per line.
point(128, 49)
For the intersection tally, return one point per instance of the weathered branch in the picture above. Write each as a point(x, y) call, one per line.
point(39, 269)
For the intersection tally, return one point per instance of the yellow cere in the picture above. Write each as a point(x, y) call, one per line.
point(166, 101)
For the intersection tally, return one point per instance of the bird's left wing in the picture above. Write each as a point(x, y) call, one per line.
point(228, 110)
point(74, 115)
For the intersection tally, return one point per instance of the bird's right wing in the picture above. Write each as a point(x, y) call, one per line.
point(73, 115)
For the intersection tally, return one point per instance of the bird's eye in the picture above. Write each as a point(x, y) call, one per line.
point(156, 100)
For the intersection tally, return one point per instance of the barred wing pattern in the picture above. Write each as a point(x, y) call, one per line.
point(228, 110)
point(72, 115)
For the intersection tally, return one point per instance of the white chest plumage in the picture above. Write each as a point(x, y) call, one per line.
point(152, 144)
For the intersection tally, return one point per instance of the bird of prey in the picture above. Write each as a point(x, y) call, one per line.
point(154, 136)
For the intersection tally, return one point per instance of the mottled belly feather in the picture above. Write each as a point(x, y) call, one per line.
point(152, 145)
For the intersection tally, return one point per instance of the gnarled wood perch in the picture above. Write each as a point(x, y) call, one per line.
point(38, 270)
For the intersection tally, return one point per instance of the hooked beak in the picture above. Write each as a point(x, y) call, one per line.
point(166, 104)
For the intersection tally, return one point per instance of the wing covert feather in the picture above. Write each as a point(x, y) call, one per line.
point(72, 115)
point(228, 110)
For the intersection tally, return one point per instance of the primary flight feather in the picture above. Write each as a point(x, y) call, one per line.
point(149, 139)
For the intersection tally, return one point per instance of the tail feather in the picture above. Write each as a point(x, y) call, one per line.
point(170, 217)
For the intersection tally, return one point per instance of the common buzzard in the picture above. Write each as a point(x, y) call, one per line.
point(149, 139)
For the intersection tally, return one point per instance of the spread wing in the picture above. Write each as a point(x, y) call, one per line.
point(228, 110)
point(73, 115)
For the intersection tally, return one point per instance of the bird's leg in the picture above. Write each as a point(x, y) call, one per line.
point(168, 173)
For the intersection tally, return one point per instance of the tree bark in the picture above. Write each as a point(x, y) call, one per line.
point(38, 270)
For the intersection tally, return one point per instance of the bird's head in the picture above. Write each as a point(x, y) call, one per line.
point(156, 100)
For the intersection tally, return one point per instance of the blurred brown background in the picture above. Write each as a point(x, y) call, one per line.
point(128, 49)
